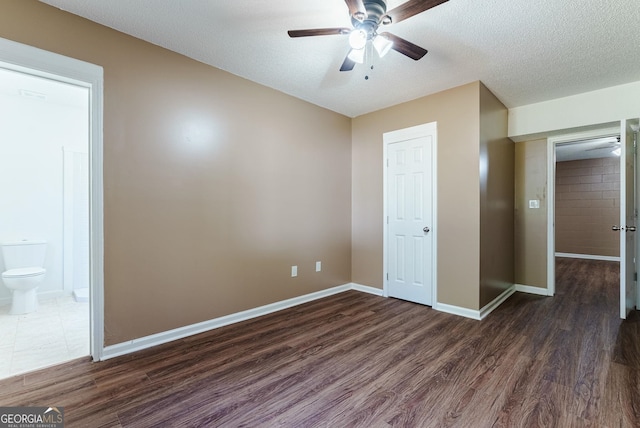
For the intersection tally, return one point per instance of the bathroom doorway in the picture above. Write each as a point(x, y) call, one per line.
point(51, 167)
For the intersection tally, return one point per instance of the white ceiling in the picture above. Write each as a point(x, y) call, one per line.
point(525, 51)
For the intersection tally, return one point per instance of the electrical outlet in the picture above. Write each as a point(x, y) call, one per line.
point(294, 271)
point(318, 266)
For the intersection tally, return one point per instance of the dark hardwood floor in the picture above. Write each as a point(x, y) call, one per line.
point(355, 359)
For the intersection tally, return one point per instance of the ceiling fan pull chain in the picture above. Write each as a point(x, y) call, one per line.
point(369, 57)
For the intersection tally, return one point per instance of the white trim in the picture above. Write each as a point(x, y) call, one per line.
point(457, 310)
point(139, 344)
point(588, 257)
point(366, 289)
point(551, 216)
point(189, 330)
point(413, 132)
point(475, 314)
point(491, 306)
point(34, 61)
point(551, 192)
point(520, 288)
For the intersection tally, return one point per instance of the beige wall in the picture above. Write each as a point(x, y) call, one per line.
point(457, 112)
point(587, 205)
point(214, 186)
point(531, 223)
point(496, 199)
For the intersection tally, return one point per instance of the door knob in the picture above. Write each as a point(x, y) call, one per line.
point(616, 228)
point(631, 228)
point(426, 229)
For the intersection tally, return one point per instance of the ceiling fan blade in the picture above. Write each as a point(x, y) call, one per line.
point(412, 7)
point(319, 32)
point(356, 6)
point(348, 64)
point(405, 47)
point(608, 146)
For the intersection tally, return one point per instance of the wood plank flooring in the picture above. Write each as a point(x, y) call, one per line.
point(357, 360)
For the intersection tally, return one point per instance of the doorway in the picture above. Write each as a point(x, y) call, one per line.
point(592, 212)
point(587, 198)
point(83, 169)
point(42, 122)
point(410, 214)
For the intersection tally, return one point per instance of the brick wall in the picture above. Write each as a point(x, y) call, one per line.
point(587, 205)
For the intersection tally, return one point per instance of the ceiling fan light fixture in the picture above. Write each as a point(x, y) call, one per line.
point(358, 39)
point(382, 45)
point(356, 55)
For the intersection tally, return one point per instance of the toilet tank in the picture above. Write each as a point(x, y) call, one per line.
point(22, 254)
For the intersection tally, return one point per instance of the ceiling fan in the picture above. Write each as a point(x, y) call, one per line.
point(366, 17)
point(607, 143)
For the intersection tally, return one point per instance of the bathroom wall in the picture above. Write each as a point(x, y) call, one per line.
point(33, 131)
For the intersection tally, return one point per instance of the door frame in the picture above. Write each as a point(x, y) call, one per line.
point(606, 131)
point(627, 134)
point(37, 62)
point(391, 137)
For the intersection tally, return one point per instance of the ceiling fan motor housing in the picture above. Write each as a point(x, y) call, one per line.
point(376, 10)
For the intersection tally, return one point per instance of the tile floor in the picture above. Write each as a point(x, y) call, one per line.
point(58, 332)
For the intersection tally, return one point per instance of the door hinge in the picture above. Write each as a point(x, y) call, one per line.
point(387, 219)
point(387, 276)
point(635, 276)
point(387, 162)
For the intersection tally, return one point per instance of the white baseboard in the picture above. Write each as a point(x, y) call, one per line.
point(457, 310)
point(487, 309)
point(472, 313)
point(588, 257)
point(531, 290)
point(189, 330)
point(366, 289)
point(182, 332)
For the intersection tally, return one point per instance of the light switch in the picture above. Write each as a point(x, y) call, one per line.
point(534, 203)
point(318, 266)
point(294, 271)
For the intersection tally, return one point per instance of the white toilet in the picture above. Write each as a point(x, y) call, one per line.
point(24, 261)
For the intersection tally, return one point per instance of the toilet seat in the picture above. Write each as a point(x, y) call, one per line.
point(23, 272)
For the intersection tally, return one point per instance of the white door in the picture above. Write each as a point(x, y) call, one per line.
point(627, 218)
point(410, 215)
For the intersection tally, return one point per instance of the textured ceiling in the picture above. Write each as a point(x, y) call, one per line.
point(524, 51)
